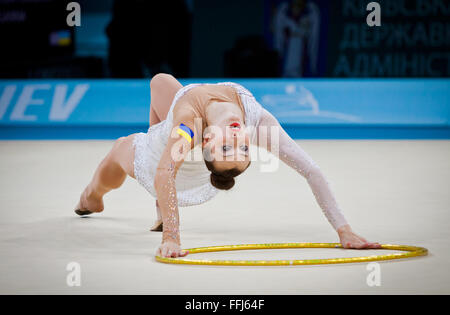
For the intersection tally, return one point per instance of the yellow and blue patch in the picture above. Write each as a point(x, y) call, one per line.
point(185, 132)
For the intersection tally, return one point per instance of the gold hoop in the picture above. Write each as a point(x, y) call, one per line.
point(410, 251)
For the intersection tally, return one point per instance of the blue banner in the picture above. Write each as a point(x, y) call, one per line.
point(313, 108)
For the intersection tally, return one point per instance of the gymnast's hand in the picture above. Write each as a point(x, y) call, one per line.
point(351, 240)
point(171, 249)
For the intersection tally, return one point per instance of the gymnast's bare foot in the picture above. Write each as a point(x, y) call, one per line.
point(158, 225)
point(89, 203)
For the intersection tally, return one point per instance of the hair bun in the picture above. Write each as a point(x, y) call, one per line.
point(222, 182)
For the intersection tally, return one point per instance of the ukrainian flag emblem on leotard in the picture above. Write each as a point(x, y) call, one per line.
point(186, 132)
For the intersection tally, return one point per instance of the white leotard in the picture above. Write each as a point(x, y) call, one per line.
point(193, 184)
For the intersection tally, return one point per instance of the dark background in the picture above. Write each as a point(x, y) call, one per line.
point(212, 38)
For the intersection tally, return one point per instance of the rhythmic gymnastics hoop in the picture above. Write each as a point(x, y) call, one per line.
point(409, 251)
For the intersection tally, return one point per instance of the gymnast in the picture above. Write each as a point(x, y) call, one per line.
point(222, 119)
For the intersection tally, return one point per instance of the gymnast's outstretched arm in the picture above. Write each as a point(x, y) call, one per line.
point(178, 145)
point(272, 137)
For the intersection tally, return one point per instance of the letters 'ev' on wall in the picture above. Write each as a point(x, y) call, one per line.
point(311, 109)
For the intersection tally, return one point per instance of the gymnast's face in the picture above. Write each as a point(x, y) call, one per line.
point(227, 147)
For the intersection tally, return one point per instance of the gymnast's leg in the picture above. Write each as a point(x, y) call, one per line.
point(110, 174)
point(119, 162)
point(163, 88)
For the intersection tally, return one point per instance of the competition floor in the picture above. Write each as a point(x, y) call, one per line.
point(390, 191)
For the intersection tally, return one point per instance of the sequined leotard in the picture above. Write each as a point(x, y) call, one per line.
point(193, 178)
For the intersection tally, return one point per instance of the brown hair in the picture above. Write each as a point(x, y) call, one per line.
point(225, 179)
